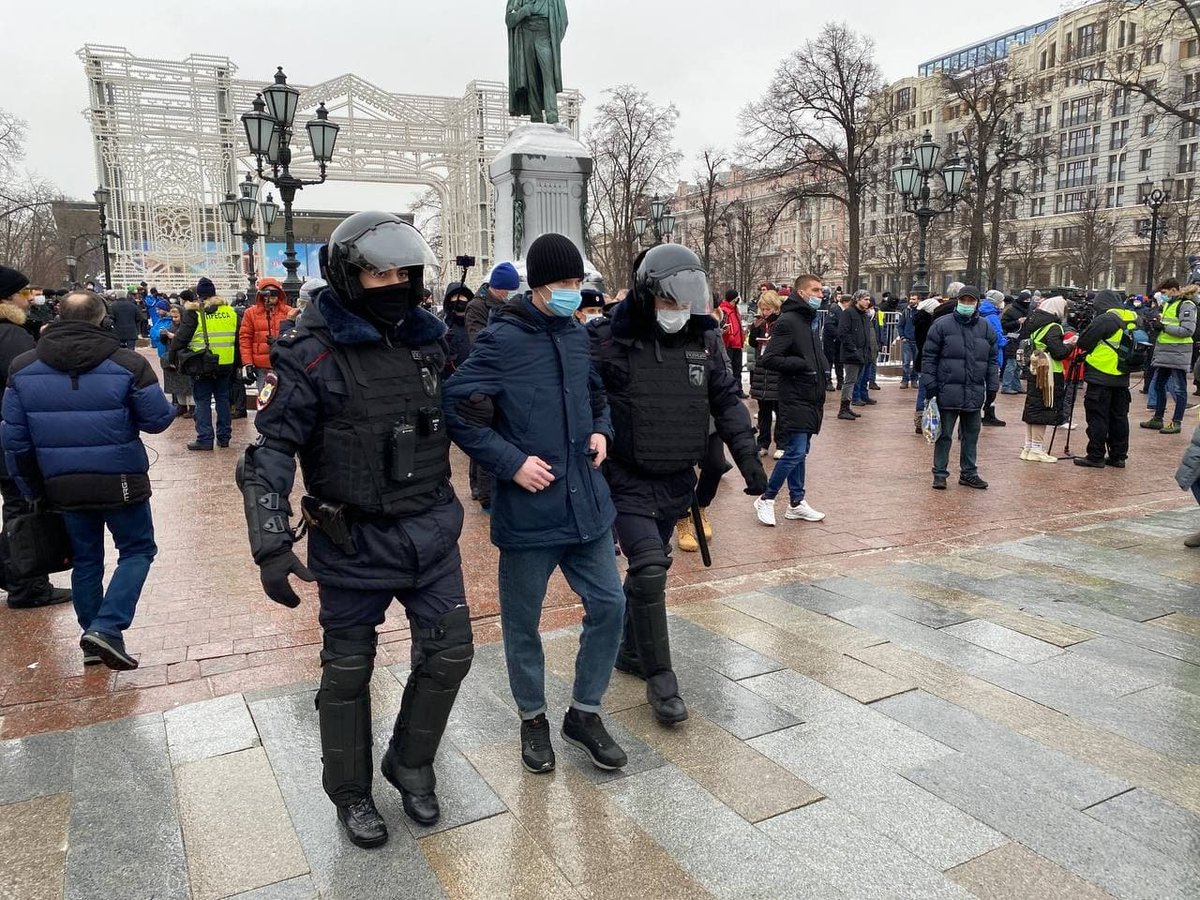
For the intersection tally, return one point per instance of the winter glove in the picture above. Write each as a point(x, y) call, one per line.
point(274, 573)
point(755, 476)
point(991, 400)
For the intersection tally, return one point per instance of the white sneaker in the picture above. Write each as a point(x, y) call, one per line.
point(1025, 451)
point(778, 454)
point(1041, 456)
point(765, 510)
point(803, 511)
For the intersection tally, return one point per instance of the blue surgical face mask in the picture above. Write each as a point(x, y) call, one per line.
point(965, 309)
point(564, 302)
point(814, 302)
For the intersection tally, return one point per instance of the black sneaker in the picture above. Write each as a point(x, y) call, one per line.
point(1089, 463)
point(537, 755)
point(196, 445)
point(91, 658)
point(222, 443)
point(873, 386)
point(1115, 463)
point(993, 422)
point(973, 481)
point(870, 402)
point(363, 823)
point(111, 650)
point(939, 482)
point(56, 595)
point(585, 731)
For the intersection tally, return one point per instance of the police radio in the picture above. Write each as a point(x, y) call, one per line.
point(404, 451)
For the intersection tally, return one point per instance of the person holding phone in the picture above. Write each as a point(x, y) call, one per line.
point(528, 407)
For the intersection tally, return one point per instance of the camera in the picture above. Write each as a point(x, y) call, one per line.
point(1080, 312)
point(464, 262)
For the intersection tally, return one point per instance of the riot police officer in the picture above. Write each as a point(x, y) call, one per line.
point(660, 357)
point(355, 392)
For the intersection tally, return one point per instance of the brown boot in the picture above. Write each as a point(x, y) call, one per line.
point(685, 536)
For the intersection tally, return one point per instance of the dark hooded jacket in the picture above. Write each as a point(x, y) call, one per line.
point(854, 335)
point(309, 388)
point(480, 310)
point(668, 497)
point(959, 364)
point(796, 355)
point(1010, 322)
point(73, 410)
point(1104, 326)
point(125, 315)
point(458, 342)
point(529, 389)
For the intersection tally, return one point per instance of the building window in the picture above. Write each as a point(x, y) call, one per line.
point(1037, 206)
point(1120, 103)
point(1116, 168)
point(1147, 124)
point(1144, 160)
point(1189, 49)
point(1187, 159)
point(1152, 55)
point(1191, 87)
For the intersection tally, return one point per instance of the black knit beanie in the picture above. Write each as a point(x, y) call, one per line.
point(551, 258)
point(11, 281)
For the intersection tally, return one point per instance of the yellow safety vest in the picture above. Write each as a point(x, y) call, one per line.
point(1039, 336)
point(221, 324)
point(1170, 316)
point(1103, 357)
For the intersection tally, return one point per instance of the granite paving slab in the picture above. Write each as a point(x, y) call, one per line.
point(33, 834)
point(1091, 849)
point(1014, 872)
point(929, 828)
point(1109, 679)
point(1152, 820)
point(713, 844)
point(1166, 703)
point(897, 602)
point(560, 647)
point(722, 654)
point(1004, 641)
point(103, 861)
point(36, 766)
point(575, 823)
point(815, 628)
point(1181, 622)
point(737, 775)
point(301, 888)
point(1146, 663)
point(479, 717)
point(856, 860)
point(1043, 770)
point(287, 726)
point(741, 712)
point(494, 857)
point(209, 728)
point(236, 831)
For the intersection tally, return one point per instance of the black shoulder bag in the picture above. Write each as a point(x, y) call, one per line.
point(198, 363)
point(38, 543)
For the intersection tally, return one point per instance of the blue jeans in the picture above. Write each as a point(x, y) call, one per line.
point(110, 612)
point(790, 468)
point(1010, 379)
point(1152, 388)
point(1196, 490)
point(920, 395)
point(591, 571)
point(908, 355)
point(1173, 382)
point(860, 386)
point(203, 392)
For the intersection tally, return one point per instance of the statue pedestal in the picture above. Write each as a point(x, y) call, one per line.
point(540, 181)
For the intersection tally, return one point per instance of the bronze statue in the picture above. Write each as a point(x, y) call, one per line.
point(535, 34)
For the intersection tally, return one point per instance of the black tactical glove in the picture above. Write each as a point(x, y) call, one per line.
point(991, 399)
point(274, 573)
point(756, 478)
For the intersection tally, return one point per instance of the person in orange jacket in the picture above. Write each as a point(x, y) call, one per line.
point(260, 327)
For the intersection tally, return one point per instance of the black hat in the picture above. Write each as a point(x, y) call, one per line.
point(551, 258)
point(592, 299)
point(969, 292)
point(11, 281)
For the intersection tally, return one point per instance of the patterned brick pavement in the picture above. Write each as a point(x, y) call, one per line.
point(204, 628)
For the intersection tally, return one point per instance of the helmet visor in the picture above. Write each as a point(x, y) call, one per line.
point(689, 288)
point(387, 246)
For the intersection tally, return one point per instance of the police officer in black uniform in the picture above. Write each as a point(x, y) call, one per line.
point(355, 392)
point(660, 357)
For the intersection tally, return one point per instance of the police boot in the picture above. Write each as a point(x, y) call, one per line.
point(441, 658)
point(344, 713)
point(646, 590)
point(627, 655)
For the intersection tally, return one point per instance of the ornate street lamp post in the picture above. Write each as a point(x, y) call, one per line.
point(1155, 199)
point(72, 262)
point(661, 218)
point(102, 195)
point(912, 177)
point(244, 208)
point(269, 134)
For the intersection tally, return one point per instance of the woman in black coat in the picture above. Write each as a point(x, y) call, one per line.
point(764, 384)
point(1045, 328)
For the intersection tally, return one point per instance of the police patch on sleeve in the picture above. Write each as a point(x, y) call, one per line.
point(267, 391)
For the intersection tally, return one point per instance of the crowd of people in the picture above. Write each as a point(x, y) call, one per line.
point(598, 430)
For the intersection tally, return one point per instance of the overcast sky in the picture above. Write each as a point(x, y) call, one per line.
point(706, 56)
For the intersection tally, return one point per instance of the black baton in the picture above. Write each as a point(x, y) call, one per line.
point(700, 538)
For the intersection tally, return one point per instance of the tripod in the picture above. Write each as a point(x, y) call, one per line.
point(1072, 375)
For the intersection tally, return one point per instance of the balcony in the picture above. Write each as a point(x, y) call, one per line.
point(1075, 181)
point(1088, 149)
point(1082, 118)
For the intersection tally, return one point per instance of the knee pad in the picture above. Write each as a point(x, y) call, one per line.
point(646, 583)
point(444, 653)
point(647, 553)
point(347, 659)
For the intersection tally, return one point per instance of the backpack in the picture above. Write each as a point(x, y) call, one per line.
point(1133, 349)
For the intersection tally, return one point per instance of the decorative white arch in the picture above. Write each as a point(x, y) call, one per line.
point(169, 145)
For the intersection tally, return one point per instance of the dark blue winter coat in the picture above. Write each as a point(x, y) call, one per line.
point(907, 324)
point(73, 410)
point(959, 364)
point(529, 389)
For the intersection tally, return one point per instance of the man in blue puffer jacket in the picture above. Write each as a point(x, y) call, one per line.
point(73, 410)
point(959, 369)
point(989, 309)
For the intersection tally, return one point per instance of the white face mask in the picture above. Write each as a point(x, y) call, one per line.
point(591, 317)
point(672, 320)
point(39, 301)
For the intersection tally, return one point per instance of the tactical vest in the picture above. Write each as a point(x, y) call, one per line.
point(350, 458)
point(1170, 316)
point(661, 422)
point(1103, 357)
point(221, 325)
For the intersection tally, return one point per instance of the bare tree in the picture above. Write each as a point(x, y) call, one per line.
point(898, 250)
point(12, 142)
point(1026, 248)
point(746, 228)
point(1088, 241)
point(28, 235)
point(818, 118)
point(711, 203)
point(632, 142)
point(1180, 236)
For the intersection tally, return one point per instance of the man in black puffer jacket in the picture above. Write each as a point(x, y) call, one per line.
point(795, 353)
point(959, 369)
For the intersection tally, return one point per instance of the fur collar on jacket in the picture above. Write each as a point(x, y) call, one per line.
point(11, 313)
point(421, 327)
point(209, 305)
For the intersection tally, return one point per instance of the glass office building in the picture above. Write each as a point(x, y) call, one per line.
point(985, 51)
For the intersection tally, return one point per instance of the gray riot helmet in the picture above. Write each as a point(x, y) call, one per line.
point(375, 242)
point(675, 272)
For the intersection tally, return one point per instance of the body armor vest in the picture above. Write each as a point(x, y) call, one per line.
point(387, 451)
point(661, 422)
